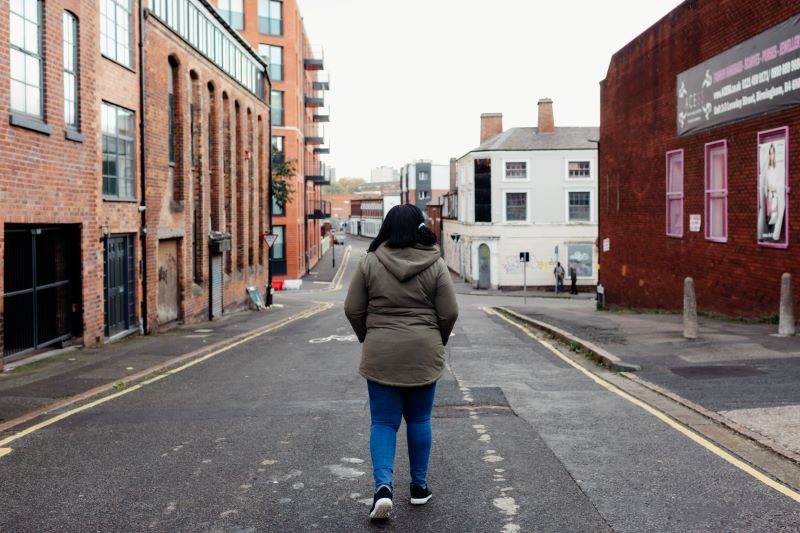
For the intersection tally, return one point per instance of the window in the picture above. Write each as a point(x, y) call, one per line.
point(580, 206)
point(232, 11)
point(277, 209)
point(516, 207)
point(717, 191)
point(26, 57)
point(274, 55)
point(516, 170)
point(675, 193)
point(116, 32)
point(171, 81)
point(579, 169)
point(423, 195)
point(70, 32)
point(117, 152)
point(277, 149)
point(581, 257)
point(423, 176)
point(270, 19)
point(276, 102)
point(483, 190)
point(278, 251)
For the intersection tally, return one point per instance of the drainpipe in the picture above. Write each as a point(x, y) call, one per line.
point(143, 204)
point(269, 195)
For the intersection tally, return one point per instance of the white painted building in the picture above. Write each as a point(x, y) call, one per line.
point(525, 190)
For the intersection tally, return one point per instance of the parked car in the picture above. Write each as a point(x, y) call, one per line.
point(339, 237)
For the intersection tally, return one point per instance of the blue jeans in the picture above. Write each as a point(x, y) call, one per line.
point(387, 406)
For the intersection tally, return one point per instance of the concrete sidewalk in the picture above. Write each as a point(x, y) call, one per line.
point(463, 287)
point(29, 388)
point(739, 372)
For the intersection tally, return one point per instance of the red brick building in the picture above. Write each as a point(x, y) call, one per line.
point(698, 150)
point(276, 30)
point(104, 219)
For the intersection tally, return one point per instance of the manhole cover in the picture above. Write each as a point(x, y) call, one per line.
point(715, 371)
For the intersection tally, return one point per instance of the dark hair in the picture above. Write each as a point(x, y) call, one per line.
point(403, 226)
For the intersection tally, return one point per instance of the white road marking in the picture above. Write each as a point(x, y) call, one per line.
point(344, 472)
point(354, 460)
point(339, 338)
point(507, 505)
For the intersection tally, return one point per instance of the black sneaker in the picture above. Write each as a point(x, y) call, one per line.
point(381, 504)
point(420, 495)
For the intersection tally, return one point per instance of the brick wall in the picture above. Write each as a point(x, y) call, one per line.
point(47, 179)
point(302, 237)
point(645, 268)
point(234, 183)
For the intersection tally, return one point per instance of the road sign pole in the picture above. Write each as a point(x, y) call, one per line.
point(525, 283)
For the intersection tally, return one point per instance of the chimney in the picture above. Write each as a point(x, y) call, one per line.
point(546, 121)
point(491, 125)
point(453, 175)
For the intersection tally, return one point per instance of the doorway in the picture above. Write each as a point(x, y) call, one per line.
point(484, 269)
point(42, 288)
point(120, 288)
point(168, 292)
point(216, 285)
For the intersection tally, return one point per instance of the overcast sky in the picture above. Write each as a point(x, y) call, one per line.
point(409, 79)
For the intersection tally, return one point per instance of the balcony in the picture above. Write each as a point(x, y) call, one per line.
point(322, 150)
point(322, 114)
point(315, 99)
point(315, 171)
point(314, 134)
point(313, 58)
point(318, 209)
point(322, 83)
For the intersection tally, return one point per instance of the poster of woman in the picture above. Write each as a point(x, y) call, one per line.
point(772, 190)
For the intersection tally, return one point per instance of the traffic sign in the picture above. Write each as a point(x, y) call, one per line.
point(270, 239)
point(524, 257)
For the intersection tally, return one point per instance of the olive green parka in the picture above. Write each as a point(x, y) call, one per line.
point(402, 306)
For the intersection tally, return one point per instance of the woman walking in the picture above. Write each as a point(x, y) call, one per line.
point(402, 306)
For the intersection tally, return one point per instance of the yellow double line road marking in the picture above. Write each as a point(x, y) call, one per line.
point(702, 441)
point(258, 333)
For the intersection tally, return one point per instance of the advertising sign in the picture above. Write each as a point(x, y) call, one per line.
point(760, 75)
point(695, 221)
point(772, 187)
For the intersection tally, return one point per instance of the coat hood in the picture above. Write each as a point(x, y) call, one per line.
point(404, 263)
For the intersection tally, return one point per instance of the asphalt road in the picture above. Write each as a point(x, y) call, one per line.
point(272, 435)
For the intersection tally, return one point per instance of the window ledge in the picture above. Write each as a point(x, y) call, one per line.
point(123, 65)
point(30, 123)
point(123, 200)
point(72, 135)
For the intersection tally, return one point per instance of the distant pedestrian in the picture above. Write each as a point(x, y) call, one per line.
point(402, 306)
point(573, 278)
point(558, 271)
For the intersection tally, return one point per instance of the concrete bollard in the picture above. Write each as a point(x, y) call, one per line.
point(689, 310)
point(786, 314)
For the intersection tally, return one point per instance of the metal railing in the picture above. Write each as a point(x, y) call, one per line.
point(314, 133)
point(313, 57)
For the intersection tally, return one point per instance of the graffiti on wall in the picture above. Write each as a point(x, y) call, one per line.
point(512, 264)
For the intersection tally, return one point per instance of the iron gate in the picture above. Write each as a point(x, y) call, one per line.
point(41, 298)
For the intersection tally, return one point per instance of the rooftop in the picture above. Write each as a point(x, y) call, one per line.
point(531, 139)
